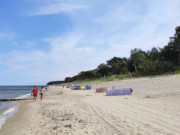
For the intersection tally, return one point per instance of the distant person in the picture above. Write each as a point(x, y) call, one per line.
point(42, 92)
point(34, 93)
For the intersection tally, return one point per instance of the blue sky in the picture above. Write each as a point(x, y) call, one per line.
point(46, 40)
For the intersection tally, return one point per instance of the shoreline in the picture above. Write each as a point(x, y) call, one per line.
point(15, 124)
point(8, 109)
point(153, 108)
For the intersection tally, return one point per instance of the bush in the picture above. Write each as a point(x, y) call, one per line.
point(148, 67)
point(177, 72)
point(136, 74)
point(123, 76)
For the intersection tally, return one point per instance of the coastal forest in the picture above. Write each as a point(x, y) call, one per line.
point(156, 61)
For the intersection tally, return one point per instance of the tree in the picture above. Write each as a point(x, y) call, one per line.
point(117, 65)
point(171, 52)
point(137, 56)
point(87, 74)
point(55, 82)
point(176, 42)
point(165, 66)
point(154, 54)
point(102, 69)
point(68, 79)
point(148, 67)
point(130, 65)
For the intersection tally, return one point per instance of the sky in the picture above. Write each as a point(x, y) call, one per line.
point(48, 40)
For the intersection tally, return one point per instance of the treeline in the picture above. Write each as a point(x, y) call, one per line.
point(55, 82)
point(140, 63)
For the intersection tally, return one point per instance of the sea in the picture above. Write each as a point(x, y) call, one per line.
point(7, 109)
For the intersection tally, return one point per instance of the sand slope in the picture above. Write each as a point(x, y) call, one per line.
point(152, 109)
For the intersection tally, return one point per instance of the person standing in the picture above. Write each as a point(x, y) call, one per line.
point(41, 92)
point(34, 92)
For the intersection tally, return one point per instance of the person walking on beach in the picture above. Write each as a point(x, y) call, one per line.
point(41, 92)
point(34, 92)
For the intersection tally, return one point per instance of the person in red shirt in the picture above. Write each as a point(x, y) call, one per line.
point(34, 92)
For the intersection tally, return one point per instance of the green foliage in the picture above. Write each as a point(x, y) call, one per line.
point(68, 79)
point(136, 74)
point(55, 82)
point(110, 79)
point(154, 54)
point(117, 65)
point(102, 70)
point(123, 76)
point(130, 65)
point(165, 66)
point(138, 57)
point(177, 72)
point(148, 67)
point(171, 52)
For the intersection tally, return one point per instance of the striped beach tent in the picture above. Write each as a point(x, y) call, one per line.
point(115, 92)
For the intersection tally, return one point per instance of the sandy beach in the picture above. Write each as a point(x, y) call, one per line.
point(152, 109)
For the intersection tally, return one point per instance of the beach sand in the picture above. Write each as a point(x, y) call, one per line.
point(152, 109)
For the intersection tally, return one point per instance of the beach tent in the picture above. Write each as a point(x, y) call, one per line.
point(82, 88)
point(73, 88)
point(101, 90)
point(115, 92)
point(88, 87)
point(77, 87)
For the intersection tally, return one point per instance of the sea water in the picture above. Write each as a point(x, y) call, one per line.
point(7, 109)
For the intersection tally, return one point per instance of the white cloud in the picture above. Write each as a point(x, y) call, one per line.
point(63, 59)
point(83, 49)
point(6, 35)
point(57, 8)
point(138, 25)
point(2, 35)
